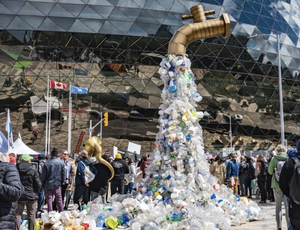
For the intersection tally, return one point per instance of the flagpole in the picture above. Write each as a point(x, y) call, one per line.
point(50, 108)
point(47, 118)
point(8, 139)
point(70, 119)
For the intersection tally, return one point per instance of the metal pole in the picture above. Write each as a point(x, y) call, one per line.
point(70, 119)
point(101, 114)
point(280, 92)
point(230, 131)
point(91, 128)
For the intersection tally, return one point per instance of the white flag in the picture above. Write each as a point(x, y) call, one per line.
point(8, 129)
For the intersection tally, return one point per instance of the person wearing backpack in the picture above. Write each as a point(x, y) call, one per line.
point(275, 163)
point(261, 171)
point(290, 188)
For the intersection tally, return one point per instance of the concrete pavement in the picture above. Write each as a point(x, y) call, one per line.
point(269, 223)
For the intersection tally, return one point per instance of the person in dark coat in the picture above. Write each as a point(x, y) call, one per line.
point(121, 168)
point(249, 176)
point(99, 185)
point(10, 191)
point(81, 187)
point(284, 184)
point(32, 184)
point(53, 174)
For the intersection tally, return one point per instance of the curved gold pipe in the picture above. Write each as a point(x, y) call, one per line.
point(201, 28)
point(94, 149)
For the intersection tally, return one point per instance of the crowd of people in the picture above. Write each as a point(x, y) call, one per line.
point(59, 179)
point(268, 177)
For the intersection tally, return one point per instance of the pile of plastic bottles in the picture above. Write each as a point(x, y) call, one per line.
point(178, 190)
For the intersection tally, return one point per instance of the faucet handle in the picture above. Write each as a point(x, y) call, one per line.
point(188, 16)
point(209, 12)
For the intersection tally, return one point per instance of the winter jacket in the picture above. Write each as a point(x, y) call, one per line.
point(70, 170)
point(143, 166)
point(232, 169)
point(272, 167)
point(121, 168)
point(80, 175)
point(286, 174)
point(53, 173)
point(30, 180)
point(132, 173)
point(10, 191)
point(101, 178)
point(219, 171)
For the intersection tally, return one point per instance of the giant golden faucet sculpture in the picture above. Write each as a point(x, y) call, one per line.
point(94, 149)
point(201, 28)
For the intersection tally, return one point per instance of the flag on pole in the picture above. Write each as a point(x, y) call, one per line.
point(61, 66)
point(79, 90)
point(57, 85)
point(3, 143)
point(80, 72)
point(8, 129)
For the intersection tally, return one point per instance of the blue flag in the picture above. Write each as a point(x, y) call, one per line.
point(80, 72)
point(3, 143)
point(79, 90)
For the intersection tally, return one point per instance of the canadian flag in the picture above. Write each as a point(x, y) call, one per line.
point(61, 66)
point(57, 85)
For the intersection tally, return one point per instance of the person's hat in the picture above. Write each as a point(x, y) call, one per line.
point(118, 156)
point(41, 156)
point(54, 152)
point(83, 153)
point(26, 157)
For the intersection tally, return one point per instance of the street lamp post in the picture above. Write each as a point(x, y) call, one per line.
point(230, 129)
point(100, 122)
point(279, 83)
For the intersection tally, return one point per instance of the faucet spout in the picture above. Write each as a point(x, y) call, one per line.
point(201, 28)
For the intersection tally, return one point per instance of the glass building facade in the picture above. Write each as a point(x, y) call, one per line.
point(114, 48)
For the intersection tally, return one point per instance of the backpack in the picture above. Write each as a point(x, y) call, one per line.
point(295, 182)
point(251, 171)
point(278, 169)
point(265, 166)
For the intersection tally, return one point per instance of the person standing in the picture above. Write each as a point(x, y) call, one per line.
point(278, 194)
point(81, 186)
point(41, 161)
point(218, 169)
point(10, 192)
point(249, 176)
point(232, 172)
point(53, 175)
point(285, 178)
point(99, 185)
point(121, 168)
point(270, 191)
point(144, 164)
point(129, 176)
point(261, 172)
point(242, 175)
point(69, 180)
point(32, 185)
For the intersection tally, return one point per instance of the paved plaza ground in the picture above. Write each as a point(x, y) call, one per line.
point(269, 224)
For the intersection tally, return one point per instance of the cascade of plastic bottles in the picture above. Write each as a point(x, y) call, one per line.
point(178, 192)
